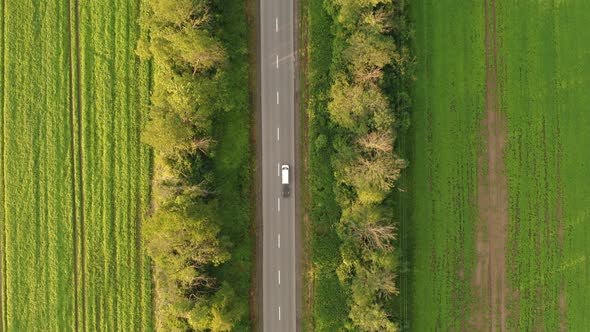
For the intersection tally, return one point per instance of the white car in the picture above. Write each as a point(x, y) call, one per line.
point(285, 180)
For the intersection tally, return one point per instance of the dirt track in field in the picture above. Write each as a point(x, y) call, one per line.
point(76, 141)
point(490, 284)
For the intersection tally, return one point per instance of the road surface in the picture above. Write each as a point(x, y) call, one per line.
point(277, 82)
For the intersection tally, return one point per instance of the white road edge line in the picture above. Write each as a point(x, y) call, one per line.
point(278, 134)
point(279, 241)
point(278, 169)
point(279, 312)
point(277, 61)
point(276, 24)
point(279, 204)
point(277, 97)
point(279, 277)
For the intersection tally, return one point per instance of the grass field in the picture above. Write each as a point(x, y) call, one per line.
point(74, 176)
point(542, 74)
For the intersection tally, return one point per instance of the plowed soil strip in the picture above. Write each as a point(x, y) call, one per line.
point(490, 277)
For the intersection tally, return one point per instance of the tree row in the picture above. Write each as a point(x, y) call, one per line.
point(364, 114)
point(182, 236)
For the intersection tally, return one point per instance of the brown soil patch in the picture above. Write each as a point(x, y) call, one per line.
point(490, 284)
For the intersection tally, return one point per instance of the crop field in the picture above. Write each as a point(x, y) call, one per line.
point(498, 196)
point(546, 77)
point(448, 103)
point(74, 178)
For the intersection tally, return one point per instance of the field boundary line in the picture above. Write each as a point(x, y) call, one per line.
point(402, 212)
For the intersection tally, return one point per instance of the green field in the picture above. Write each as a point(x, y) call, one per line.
point(442, 148)
point(74, 176)
point(546, 79)
point(543, 74)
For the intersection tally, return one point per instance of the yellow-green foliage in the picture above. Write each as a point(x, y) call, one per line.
point(366, 165)
point(198, 129)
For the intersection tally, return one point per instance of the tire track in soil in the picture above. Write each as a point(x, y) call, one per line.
point(490, 284)
point(138, 206)
point(77, 186)
point(560, 229)
point(80, 161)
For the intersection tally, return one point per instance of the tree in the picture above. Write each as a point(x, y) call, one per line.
point(196, 49)
point(377, 142)
point(378, 279)
point(371, 318)
point(348, 12)
point(182, 245)
point(383, 119)
point(380, 20)
point(369, 226)
point(368, 53)
point(199, 318)
point(374, 176)
point(167, 133)
point(226, 309)
point(351, 104)
point(218, 313)
point(178, 12)
point(376, 236)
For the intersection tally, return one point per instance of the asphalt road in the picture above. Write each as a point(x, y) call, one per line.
point(277, 82)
